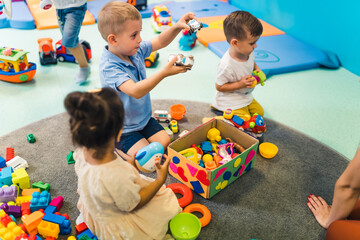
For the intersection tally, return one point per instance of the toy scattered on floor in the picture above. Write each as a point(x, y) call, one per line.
point(259, 77)
point(64, 55)
point(14, 66)
point(47, 54)
point(152, 59)
point(6, 7)
point(255, 124)
point(194, 26)
point(177, 111)
point(45, 4)
point(183, 133)
point(174, 126)
point(147, 156)
point(30, 137)
point(188, 61)
point(161, 18)
point(70, 157)
point(185, 191)
point(187, 41)
point(139, 4)
point(185, 226)
point(268, 150)
point(162, 116)
point(197, 207)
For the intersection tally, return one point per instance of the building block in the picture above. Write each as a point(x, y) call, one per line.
point(87, 233)
point(70, 158)
point(29, 191)
point(64, 224)
point(50, 209)
point(39, 200)
point(23, 199)
point(25, 208)
point(24, 236)
point(21, 178)
point(10, 153)
point(5, 176)
point(48, 229)
point(30, 137)
point(10, 232)
point(2, 162)
point(5, 220)
point(31, 221)
point(17, 162)
point(80, 228)
point(84, 237)
point(57, 202)
point(8, 194)
point(41, 185)
point(11, 210)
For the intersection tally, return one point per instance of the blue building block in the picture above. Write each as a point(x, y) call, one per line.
point(39, 200)
point(50, 209)
point(239, 121)
point(64, 224)
point(88, 233)
point(2, 162)
point(5, 176)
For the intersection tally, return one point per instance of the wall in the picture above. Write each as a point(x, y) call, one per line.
point(330, 25)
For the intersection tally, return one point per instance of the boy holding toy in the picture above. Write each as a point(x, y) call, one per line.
point(122, 68)
point(234, 81)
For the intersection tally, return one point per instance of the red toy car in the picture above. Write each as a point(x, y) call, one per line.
point(64, 55)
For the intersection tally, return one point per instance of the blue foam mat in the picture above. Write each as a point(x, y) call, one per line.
point(282, 54)
point(21, 17)
point(94, 8)
point(204, 8)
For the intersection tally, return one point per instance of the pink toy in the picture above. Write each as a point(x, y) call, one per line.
point(226, 157)
point(7, 51)
point(57, 202)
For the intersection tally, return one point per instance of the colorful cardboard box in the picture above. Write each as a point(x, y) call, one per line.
point(205, 182)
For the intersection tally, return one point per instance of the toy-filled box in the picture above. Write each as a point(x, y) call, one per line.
point(205, 182)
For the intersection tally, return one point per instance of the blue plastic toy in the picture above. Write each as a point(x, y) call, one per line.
point(145, 158)
point(187, 41)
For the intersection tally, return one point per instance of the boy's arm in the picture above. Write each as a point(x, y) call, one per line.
point(244, 82)
point(166, 37)
point(141, 88)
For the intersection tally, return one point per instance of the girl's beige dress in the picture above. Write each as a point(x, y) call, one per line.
point(108, 195)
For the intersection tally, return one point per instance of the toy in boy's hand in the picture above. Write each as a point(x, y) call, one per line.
point(259, 77)
point(6, 7)
point(194, 26)
point(187, 41)
point(188, 61)
point(45, 4)
point(147, 156)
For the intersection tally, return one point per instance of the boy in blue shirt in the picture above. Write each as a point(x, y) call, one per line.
point(122, 68)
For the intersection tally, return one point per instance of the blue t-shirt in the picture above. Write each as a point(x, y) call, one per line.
point(114, 71)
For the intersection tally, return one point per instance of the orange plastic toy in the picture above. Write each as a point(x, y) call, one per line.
point(184, 190)
point(196, 207)
point(177, 111)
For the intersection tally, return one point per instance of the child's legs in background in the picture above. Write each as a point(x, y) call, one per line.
point(243, 113)
point(255, 107)
point(346, 229)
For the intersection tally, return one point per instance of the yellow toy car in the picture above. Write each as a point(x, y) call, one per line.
point(151, 60)
point(174, 126)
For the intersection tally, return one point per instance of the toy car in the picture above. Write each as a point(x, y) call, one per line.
point(174, 126)
point(162, 116)
point(47, 54)
point(194, 26)
point(161, 18)
point(188, 61)
point(150, 61)
point(64, 55)
point(139, 4)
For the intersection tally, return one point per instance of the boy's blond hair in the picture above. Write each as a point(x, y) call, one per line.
point(238, 23)
point(113, 15)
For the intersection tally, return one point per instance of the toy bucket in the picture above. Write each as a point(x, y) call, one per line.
point(177, 111)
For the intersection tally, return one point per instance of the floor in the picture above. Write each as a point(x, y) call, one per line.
point(321, 103)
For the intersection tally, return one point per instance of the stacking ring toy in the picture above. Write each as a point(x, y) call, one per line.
point(196, 207)
point(184, 190)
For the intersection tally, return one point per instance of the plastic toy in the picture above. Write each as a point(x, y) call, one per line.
point(21, 178)
point(185, 191)
point(226, 156)
point(213, 135)
point(188, 61)
point(185, 226)
point(191, 153)
point(8, 194)
point(70, 158)
point(48, 229)
point(206, 146)
point(255, 124)
point(174, 126)
point(15, 67)
point(170, 133)
point(41, 185)
point(17, 162)
point(64, 55)
point(194, 26)
point(162, 116)
point(30, 137)
point(47, 54)
point(146, 157)
point(236, 145)
point(177, 111)
point(64, 224)
point(45, 4)
point(260, 77)
point(207, 158)
point(161, 18)
point(187, 41)
point(10, 153)
point(196, 207)
point(6, 7)
point(31, 221)
point(139, 4)
point(151, 60)
point(268, 150)
point(183, 133)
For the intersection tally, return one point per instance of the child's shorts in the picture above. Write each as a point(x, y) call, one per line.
point(70, 21)
point(128, 140)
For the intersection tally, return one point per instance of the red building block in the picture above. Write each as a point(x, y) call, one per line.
point(80, 228)
point(10, 153)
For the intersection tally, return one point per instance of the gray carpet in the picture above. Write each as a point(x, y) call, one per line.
point(269, 202)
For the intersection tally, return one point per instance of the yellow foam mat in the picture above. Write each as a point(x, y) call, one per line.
point(45, 19)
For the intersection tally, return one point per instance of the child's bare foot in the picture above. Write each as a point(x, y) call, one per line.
point(320, 209)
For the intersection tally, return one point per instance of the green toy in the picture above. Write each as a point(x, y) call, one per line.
point(30, 137)
point(70, 158)
point(185, 226)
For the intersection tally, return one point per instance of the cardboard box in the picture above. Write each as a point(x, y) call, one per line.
point(205, 182)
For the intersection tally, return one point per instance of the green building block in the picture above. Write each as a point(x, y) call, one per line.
point(84, 237)
point(30, 137)
point(70, 158)
point(42, 186)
